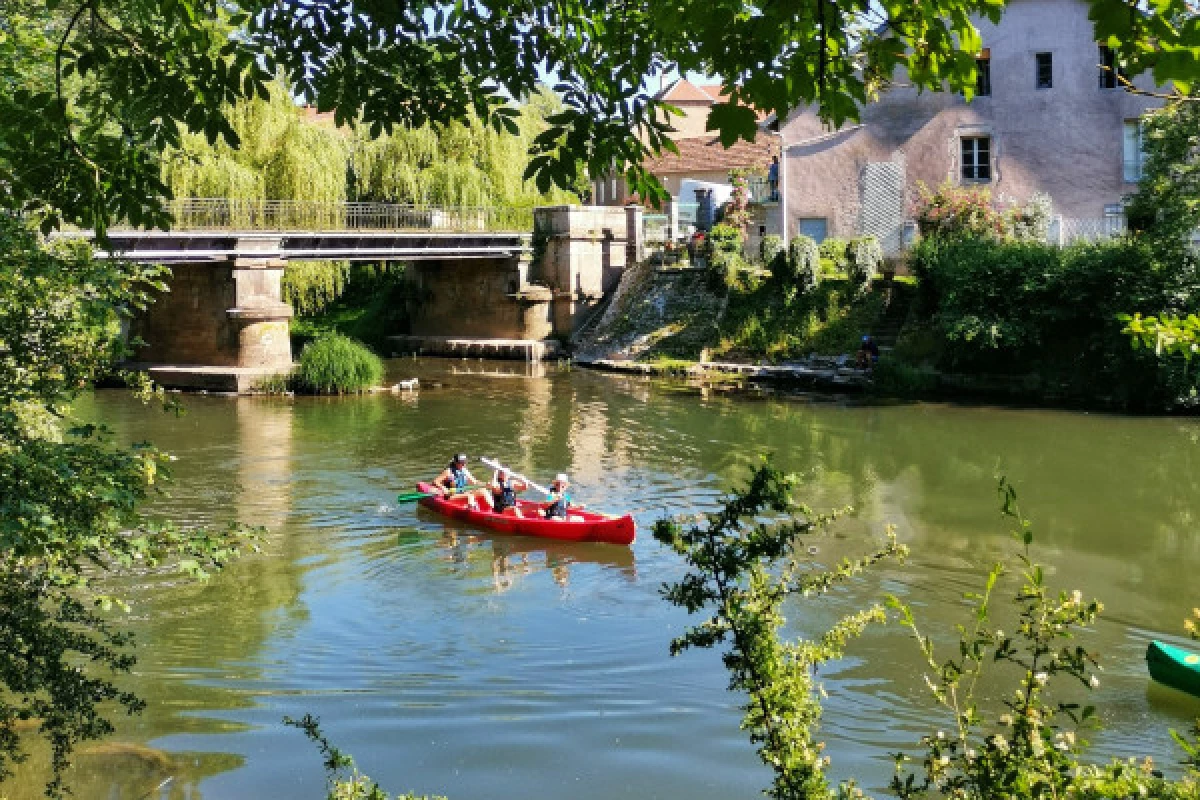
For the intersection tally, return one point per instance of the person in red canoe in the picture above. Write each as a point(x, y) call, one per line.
point(560, 499)
point(504, 493)
point(455, 479)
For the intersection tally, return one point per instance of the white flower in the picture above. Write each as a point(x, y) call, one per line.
point(1000, 743)
point(944, 761)
point(1006, 719)
point(1094, 682)
point(1041, 678)
point(1077, 597)
point(970, 754)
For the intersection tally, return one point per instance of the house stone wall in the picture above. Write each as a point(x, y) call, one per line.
point(1065, 141)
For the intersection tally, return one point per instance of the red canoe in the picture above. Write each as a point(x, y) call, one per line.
point(582, 526)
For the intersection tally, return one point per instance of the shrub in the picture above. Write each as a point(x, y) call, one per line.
point(1031, 222)
point(336, 364)
point(725, 239)
point(723, 270)
point(864, 258)
point(772, 251)
point(834, 250)
point(804, 262)
point(1031, 307)
point(956, 212)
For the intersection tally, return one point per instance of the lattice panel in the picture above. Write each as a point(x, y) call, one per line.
point(881, 211)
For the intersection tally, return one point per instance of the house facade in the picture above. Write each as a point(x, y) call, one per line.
point(1049, 117)
point(701, 158)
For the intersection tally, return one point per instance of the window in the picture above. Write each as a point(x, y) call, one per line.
point(983, 74)
point(977, 158)
point(1131, 151)
point(813, 227)
point(1045, 70)
point(1110, 69)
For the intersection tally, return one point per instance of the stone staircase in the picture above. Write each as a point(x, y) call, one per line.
point(886, 329)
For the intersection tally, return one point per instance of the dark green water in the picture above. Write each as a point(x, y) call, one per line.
point(450, 661)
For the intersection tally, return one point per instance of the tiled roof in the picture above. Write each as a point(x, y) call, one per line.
point(684, 91)
point(705, 154)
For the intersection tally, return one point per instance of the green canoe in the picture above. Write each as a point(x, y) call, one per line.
point(1174, 666)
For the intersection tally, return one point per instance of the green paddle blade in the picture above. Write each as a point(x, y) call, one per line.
point(412, 497)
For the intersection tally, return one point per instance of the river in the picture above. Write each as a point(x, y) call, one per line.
point(452, 662)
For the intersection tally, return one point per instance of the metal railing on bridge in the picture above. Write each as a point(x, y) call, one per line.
point(202, 213)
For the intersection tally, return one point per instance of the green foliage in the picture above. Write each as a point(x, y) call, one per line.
point(376, 302)
point(336, 364)
point(864, 260)
point(764, 322)
point(743, 566)
point(1169, 336)
point(1032, 748)
point(344, 781)
point(803, 264)
point(724, 270)
point(725, 238)
point(311, 286)
point(1166, 206)
point(773, 252)
point(1028, 308)
point(70, 510)
point(893, 377)
point(834, 250)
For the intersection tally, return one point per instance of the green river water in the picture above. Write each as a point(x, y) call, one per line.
point(482, 667)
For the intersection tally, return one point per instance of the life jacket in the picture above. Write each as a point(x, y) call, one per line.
point(505, 494)
point(459, 476)
point(558, 505)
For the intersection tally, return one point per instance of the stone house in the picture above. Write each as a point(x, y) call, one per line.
point(1049, 116)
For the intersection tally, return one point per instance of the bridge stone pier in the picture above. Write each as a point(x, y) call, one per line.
point(223, 325)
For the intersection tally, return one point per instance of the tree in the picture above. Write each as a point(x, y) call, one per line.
point(1166, 206)
point(68, 497)
point(131, 77)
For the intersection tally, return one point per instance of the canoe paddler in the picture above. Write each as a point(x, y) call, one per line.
point(456, 478)
point(560, 498)
point(504, 493)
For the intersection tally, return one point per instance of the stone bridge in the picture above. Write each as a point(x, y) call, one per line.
point(223, 324)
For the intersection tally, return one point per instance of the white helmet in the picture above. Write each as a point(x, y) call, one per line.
point(561, 478)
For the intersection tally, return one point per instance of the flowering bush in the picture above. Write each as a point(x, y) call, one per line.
point(956, 212)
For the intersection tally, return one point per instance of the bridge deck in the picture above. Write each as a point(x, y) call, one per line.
point(201, 246)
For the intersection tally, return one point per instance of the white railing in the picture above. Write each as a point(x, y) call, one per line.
point(201, 213)
point(1065, 230)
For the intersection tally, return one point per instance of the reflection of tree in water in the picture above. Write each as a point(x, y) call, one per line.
point(128, 770)
point(183, 629)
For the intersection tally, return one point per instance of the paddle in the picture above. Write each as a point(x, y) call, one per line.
point(412, 497)
point(497, 465)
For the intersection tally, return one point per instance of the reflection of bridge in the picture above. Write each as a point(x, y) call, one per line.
point(223, 323)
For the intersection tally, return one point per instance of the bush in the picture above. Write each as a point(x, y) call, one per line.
point(834, 250)
point(1034, 308)
point(1031, 222)
point(773, 251)
point(336, 364)
point(725, 239)
point(724, 269)
point(864, 260)
point(804, 263)
point(956, 212)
